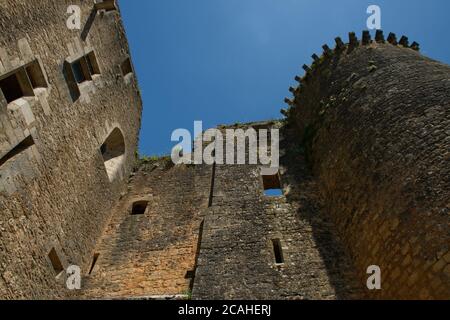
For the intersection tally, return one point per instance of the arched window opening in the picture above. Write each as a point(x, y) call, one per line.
point(113, 153)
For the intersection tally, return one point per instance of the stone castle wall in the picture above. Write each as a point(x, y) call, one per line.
point(374, 119)
point(153, 253)
point(208, 233)
point(55, 192)
point(364, 176)
point(237, 257)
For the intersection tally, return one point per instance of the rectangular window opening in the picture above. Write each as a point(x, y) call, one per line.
point(79, 73)
point(28, 142)
point(278, 251)
point(12, 90)
point(92, 63)
point(36, 75)
point(94, 262)
point(139, 208)
point(56, 262)
point(126, 67)
point(272, 185)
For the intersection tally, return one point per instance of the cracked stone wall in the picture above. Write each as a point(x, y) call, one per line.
point(55, 193)
point(374, 119)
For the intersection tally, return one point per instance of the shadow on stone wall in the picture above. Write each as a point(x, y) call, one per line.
point(305, 194)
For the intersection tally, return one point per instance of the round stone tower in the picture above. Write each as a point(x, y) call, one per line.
point(374, 120)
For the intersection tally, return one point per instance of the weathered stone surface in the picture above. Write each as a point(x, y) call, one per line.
point(375, 123)
point(152, 254)
point(56, 194)
point(364, 173)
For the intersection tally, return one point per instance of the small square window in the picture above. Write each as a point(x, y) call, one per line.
point(25, 144)
point(107, 5)
point(273, 192)
point(21, 82)
point(139, 208)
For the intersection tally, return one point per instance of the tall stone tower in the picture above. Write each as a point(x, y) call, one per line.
point(70, 113)
point(373, 117)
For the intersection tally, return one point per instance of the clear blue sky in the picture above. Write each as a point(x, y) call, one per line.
point(228, 61)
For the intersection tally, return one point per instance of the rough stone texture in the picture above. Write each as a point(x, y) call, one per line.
point(56, 194)
point(237, 259)
point(364, 172)
point(150, 255)
point(375, 124)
